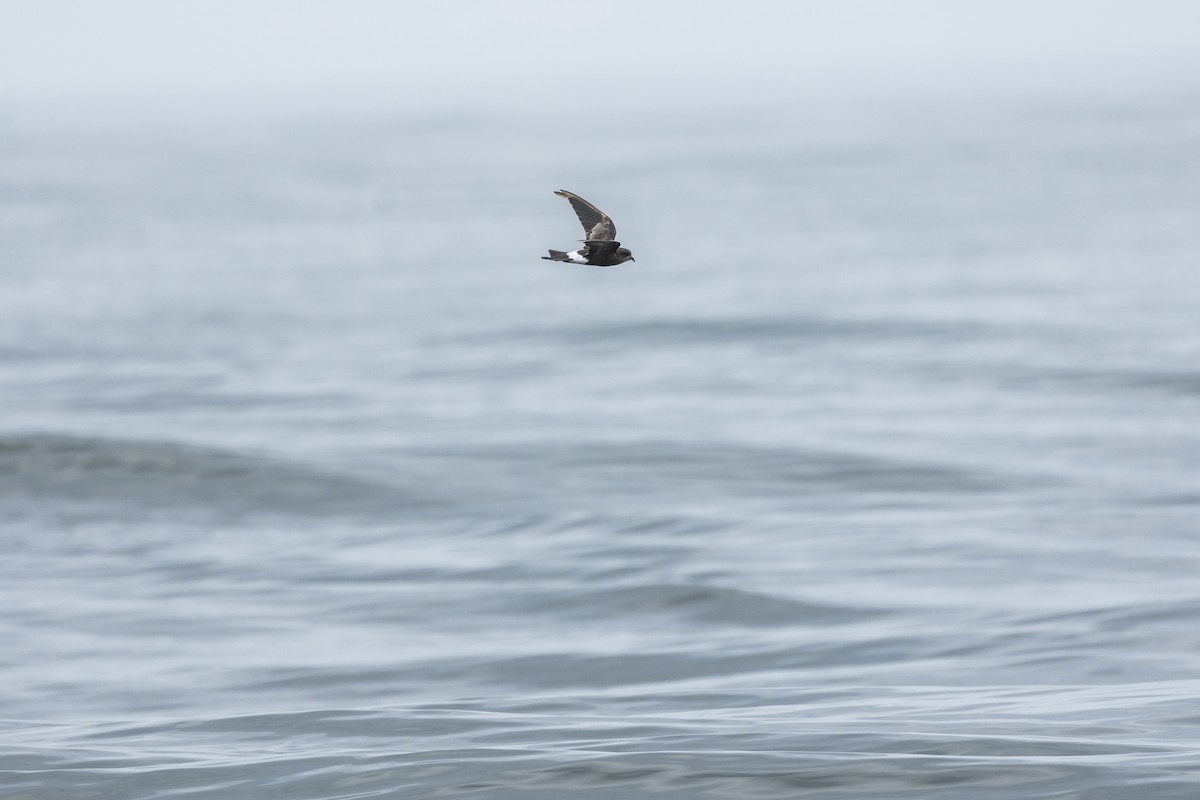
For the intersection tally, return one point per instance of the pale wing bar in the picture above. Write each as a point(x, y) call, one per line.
point(597, 226)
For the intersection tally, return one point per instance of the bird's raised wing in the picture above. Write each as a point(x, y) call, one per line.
point(597, 226)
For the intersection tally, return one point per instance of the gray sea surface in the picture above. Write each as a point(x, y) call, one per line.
point(876, 476)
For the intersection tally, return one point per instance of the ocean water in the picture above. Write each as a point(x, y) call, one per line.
point(876, 476)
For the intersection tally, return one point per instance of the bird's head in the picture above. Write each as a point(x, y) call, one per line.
point(625, 254)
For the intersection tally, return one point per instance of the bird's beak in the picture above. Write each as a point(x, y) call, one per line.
point(634, 260)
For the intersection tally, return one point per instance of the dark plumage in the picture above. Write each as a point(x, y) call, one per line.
point(600, 245)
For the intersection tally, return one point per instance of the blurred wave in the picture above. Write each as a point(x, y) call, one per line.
point(43, 468)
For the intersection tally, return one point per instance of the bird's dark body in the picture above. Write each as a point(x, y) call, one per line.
point(601, 254)
point(600, 247)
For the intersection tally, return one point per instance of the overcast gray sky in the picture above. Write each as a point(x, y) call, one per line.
point(73, 46)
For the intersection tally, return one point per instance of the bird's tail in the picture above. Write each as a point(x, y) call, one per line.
point(556, 255)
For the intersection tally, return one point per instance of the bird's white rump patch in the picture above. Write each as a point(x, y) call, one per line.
point(575, 257)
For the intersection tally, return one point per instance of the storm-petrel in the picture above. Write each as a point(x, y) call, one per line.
point(600, 245)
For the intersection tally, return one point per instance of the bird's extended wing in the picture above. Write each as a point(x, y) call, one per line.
point(597, 226)
point(601, 250)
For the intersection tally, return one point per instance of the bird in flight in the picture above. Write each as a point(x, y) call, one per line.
point(600, 245)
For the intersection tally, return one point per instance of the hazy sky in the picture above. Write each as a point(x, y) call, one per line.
point(79, 47)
